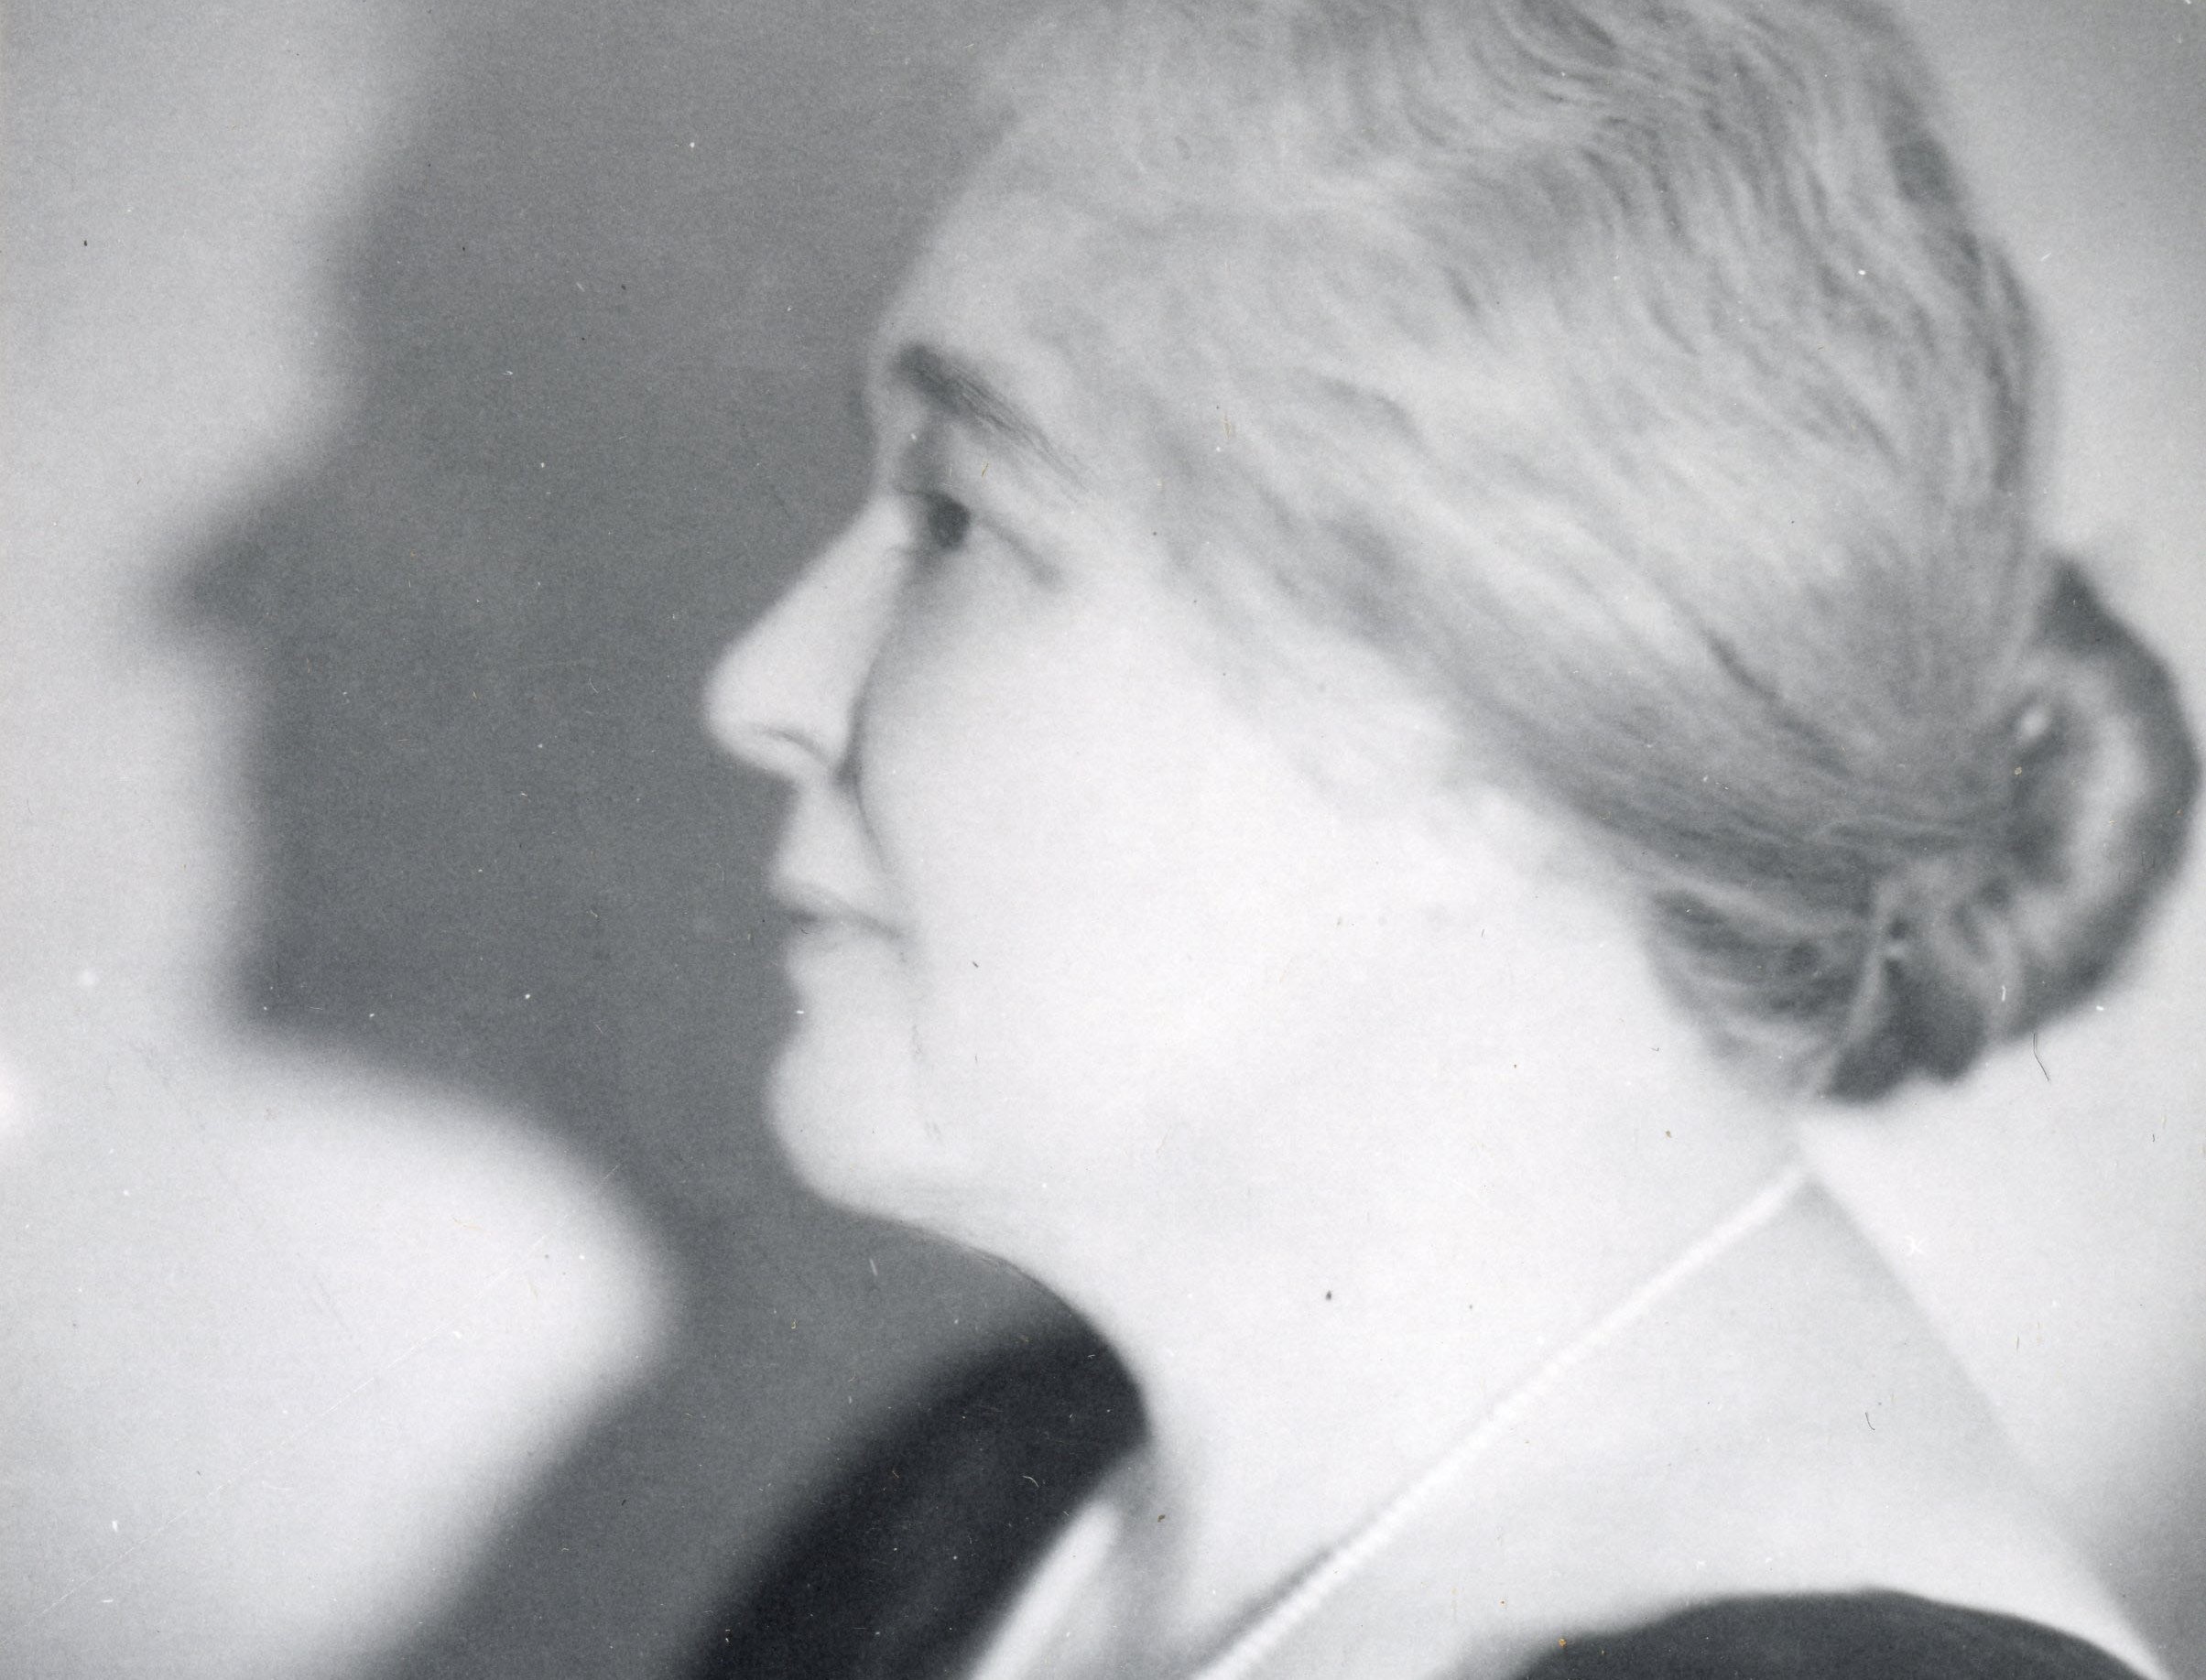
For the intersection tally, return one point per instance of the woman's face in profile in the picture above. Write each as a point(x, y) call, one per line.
point(1062, 896)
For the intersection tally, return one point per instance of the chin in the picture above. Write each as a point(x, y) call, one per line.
point(840, 1099)
point(836, 1108)
point(843, 1108)
point(854, 1124)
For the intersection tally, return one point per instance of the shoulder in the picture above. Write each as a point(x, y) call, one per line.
point(1834, 1636)
point(905, 1557)
point(298, 1331)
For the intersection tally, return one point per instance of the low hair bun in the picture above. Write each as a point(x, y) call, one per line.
point(1972, 946)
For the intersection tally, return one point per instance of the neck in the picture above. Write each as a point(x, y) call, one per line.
point(1605, 1483)
point(1303, 1358)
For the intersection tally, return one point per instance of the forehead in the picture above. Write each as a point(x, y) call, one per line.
point(968, 340)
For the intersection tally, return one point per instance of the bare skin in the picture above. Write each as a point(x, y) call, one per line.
point(1790, 1412)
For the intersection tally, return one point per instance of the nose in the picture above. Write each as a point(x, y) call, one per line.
point(784, 697)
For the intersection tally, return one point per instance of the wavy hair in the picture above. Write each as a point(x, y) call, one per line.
point(1633, 377)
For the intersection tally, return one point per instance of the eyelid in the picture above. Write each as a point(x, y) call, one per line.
point(935, 510)
point(928, 472)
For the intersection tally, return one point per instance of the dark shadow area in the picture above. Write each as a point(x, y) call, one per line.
point(902, 1565)
point(604, 323)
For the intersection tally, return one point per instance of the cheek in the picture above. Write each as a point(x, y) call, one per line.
point(1118, 887)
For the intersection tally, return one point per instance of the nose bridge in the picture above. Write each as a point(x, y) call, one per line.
point(784, 697)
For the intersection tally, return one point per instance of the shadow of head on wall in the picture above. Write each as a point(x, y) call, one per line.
point(602, 326)
point(601, 329)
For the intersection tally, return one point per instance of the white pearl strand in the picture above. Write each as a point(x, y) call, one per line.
point(1086, 1545)
point(1261, 1638)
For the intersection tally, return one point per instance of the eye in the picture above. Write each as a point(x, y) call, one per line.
point(944, 523)
point(943, 529)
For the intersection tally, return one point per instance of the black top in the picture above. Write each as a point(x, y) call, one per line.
point(907, 1561)
point(1833, 1636)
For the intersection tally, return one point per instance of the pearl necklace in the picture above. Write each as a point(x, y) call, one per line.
point(1094, 1533)
point(1352, 1556)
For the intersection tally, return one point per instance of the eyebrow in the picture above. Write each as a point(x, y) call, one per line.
point(958, 392)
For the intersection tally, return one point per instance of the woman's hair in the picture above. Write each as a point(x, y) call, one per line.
point(1632, 375)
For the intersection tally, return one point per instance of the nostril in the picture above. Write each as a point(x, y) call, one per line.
point(786, 753)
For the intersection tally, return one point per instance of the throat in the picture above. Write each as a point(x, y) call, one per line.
point(1224, 1541)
